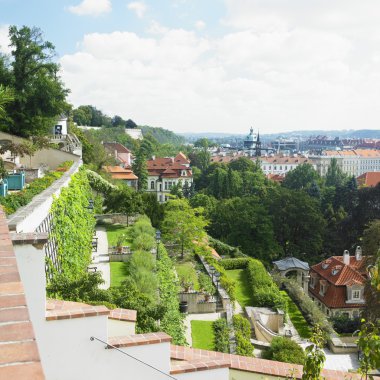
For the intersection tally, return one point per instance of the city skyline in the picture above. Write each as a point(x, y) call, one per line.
point(222, 66)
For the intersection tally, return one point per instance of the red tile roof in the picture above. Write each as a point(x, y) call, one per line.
point(19, 357)
point(169, 167)
point(117, 172)
point(201, 358)
point(112, 146)
point(139, 339)
point(336, 276)
point(370, 179)
point(181, 159)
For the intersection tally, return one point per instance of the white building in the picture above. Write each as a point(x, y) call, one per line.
point(281, 164)
point(352, 162)
point(166, 172)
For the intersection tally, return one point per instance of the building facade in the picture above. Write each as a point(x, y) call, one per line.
point(337, 284)
point(281, 164)
point(166, 172)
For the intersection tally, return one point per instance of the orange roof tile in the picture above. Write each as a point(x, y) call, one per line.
point(369, 179)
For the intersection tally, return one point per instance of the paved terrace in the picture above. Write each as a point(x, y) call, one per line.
point(19, 357)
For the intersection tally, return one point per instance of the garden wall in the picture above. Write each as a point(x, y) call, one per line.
point(197, 304)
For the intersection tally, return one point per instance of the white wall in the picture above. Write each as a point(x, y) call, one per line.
point(212, 374)
point(120, 328)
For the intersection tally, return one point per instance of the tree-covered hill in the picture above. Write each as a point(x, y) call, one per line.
point(163, 136)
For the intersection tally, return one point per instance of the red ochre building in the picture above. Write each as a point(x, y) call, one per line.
point(337, 284)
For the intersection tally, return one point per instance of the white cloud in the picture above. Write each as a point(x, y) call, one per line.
point(4, 39)
point(200, 25)
point(91, 7)
point(138, 7)
point(295, 68)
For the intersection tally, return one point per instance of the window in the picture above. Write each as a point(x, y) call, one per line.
point(152, 185)
point(312, 282)
point(356, 294)
point(166, 185)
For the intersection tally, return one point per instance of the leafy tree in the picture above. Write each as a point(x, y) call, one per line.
point(298, 223)
point(242, 164)
point(285, 350)
point(139, 167)
point(118, 121)
point(6, 96)
point(207, 202)
point(335, 176)
point(39, 94)
point(124, 200)
point(130, 124)
point(183, 225)
point(152, 208)
point(245, 222)
point(315, 357)
point(301, 177)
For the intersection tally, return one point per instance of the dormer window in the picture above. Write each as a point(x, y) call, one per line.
point(356, 294)
point(183, 173)
point(322, 287)
point(336, 270)
point(326, 264)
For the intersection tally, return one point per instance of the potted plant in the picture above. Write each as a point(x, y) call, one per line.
point(119, 243)
point(187, 276)
point(206, 285)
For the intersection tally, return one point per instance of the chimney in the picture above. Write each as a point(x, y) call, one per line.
point(346, 257)
point(358, 253)
point(153, 158)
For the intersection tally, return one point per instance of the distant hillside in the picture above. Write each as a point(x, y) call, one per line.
point(163, 136)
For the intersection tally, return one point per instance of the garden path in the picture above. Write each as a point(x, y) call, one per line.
point(100, 258)
point(197, 317)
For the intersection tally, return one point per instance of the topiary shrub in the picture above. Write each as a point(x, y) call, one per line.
point(143, 242)
point(285, 350)
point(222, 335)
point(242, 329)
point(239, 263)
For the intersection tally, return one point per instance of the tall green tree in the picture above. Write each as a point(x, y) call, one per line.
point(183, 226)
point(335, 176)
point(139, 167)
point(39, 94)
point(301, 177)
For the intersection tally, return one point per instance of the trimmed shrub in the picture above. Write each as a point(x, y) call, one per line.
point(225, 249)
point(285, 350)
point(344, 324)
point(265, 292)
point(142, 226)
point(309, 309)
point(143, 242)
point(172, 321)
point(239, 263)
point(222, 335)
point(242, 329)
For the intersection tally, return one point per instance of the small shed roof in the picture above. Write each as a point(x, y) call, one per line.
point(291, 263)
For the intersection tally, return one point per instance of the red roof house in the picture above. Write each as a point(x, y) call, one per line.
point(337, 284)
point(370, 179)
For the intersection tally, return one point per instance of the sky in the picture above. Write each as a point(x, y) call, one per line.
point(216, 65)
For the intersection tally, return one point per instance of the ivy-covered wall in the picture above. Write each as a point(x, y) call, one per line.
point(73, 227)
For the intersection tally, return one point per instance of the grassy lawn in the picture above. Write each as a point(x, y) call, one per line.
point(297, 318)
point(202, 334)
point(242, 290)
point(114, 231)
point(118, 273)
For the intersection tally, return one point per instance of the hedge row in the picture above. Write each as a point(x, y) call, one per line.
point(225, 249)
point(265, 292)
point(309, 309)
point(14, 201)
point(242, 329)
point(172, 321)
point(238, 263)
point(222, 336)
point(226, 282)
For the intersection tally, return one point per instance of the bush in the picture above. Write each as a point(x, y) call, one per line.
point(242, 329)
point(285, 350)
point(143, 242)
point(187, 276)
point(225, 249)
point(142, 226)
point(205, 283)
point(222, 335)
point(309, 309)
point(239, 263)
point(344, 324)
point(265, 292)
point(172, 320)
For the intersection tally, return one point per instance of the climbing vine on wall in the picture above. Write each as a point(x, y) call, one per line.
point(73, 226)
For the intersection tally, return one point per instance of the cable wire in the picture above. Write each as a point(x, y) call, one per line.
point(133, 357)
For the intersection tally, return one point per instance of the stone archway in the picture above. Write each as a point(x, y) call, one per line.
point(291, 264)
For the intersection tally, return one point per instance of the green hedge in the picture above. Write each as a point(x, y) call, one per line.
point(172, 321)
point(14, 201)
point(285, 350)
point(73, 227)
point(309, 309)
point(222, 335)
point(265, 292)
point(242, 329)
point(238, 263)
point(225, 249)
